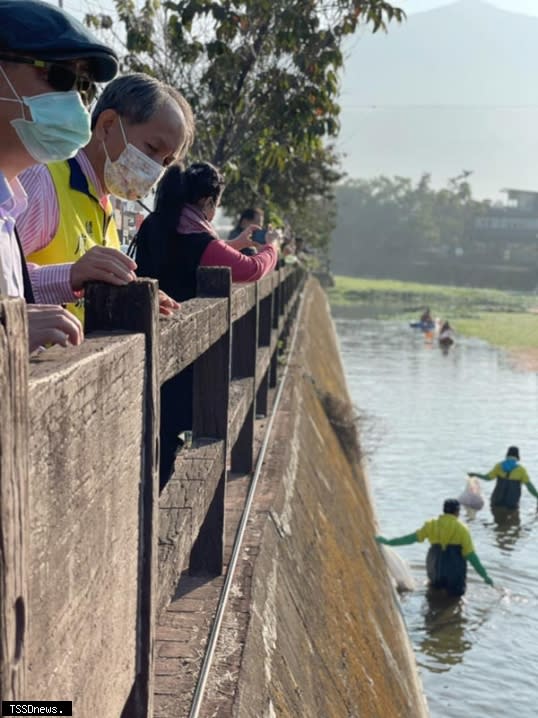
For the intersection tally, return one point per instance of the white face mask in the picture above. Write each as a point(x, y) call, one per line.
point(133, 174)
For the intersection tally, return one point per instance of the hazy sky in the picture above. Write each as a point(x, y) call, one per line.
point(530, 7)
point(499, 144)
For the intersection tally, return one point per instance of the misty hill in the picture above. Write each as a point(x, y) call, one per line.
point(421, 76)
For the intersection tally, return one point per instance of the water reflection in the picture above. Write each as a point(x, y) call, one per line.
point(507, 527)
point(444, 630)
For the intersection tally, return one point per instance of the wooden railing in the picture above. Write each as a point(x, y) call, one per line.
point(89, 550)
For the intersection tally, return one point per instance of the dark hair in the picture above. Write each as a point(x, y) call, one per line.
point(179, 187)
point(137, 97)
point(513, 451)
point(249, 214)
point(451, 506)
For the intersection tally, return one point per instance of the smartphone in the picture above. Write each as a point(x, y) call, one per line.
point(259, 236)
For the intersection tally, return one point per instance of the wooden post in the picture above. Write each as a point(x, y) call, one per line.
point(244, 354)
point(273, 371)
point(135, 307)
point(14, 508)
point(210, 419)
point(264, 340)
point(265, 321)
point(283, 290)
point(277, 293)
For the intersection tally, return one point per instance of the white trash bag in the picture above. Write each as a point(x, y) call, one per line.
point(399, 570)
point(472, 494)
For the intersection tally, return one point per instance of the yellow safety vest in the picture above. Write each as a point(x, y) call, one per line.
point(83, 223)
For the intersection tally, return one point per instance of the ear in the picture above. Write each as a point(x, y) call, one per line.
point(105, 122)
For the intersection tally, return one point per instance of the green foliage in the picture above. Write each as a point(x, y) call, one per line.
point(262, 77)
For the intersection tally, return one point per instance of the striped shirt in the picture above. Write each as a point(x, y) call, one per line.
point(38, 226)
point(12, 203)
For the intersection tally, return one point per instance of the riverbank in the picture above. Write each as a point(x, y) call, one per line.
point(507, 320)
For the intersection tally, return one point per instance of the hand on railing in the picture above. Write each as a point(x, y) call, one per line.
point(102, 264)
point(51, 324)
point(167, 305)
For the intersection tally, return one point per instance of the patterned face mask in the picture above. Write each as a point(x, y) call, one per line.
point(133, 174)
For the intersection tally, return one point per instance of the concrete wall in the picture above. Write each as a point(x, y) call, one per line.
point(324, 635)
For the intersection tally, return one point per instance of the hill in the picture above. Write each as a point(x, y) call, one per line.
point(452, 88)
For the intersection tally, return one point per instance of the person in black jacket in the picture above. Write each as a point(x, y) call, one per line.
point(173, 241)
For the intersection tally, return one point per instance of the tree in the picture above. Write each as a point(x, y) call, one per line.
point(262, 77)
point(388, 221)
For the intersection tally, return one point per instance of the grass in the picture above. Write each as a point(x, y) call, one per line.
point(501, 318)
point(509, 331)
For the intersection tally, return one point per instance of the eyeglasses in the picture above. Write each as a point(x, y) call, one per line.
point(61, 78)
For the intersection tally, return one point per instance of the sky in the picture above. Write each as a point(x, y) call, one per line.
point(526, 7)
point(529, 7)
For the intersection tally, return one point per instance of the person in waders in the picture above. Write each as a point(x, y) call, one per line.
point(510, 474)
point(451, 548)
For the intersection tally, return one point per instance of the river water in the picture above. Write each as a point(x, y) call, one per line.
point(425, 419)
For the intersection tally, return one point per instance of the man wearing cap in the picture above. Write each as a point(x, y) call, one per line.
point(451, 548)
point(510, 474)
point(49, 63)
point(139, 126)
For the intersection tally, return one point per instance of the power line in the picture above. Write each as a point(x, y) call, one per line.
point(438, 106)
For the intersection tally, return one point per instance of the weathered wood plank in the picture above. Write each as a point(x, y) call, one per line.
point(244, 346)
point(183, 505)
point(87, 463)
point(14, 519)
point(265, 321)
point(210, 419)
point(262, 395)
point(189, 333)
point(135, 307)
point(277, 292)
point(241, 396)
point(265, 286)
point(243, 299)
point(262, 365)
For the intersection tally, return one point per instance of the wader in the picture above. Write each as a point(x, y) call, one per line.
point(506, 493)
point(447, 568)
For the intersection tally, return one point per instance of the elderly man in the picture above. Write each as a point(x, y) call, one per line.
point(49, 63)
point(139, 127)
point(451, 548)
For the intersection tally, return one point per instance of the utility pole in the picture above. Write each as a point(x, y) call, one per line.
point(60, 3)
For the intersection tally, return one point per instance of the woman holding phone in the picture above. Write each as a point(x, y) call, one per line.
point(178, 236)
point(172, 242)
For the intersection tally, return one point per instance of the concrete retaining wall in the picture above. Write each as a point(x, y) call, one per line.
point(323, 635)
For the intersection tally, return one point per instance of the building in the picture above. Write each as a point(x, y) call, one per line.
point(513, 223)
